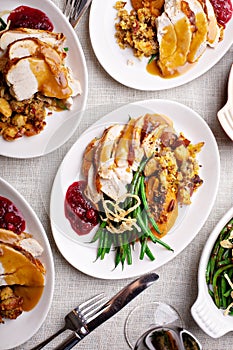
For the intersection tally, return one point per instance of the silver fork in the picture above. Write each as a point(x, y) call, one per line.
point(78, 317)
point(225, 115)
point(74, 9)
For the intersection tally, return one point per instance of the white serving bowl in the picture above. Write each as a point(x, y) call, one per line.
point(206, 314)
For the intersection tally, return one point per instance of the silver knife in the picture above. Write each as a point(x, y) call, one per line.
point(110, 308)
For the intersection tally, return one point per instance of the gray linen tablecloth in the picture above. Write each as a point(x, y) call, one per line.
point(178, 279)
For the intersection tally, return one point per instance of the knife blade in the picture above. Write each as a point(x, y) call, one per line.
point(110, 308)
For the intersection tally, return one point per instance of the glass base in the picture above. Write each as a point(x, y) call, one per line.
point(148, 316)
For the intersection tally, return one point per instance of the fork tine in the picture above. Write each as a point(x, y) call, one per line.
point(91, 307)
point(97, 312)
point(90, 301)
point(69, 7)
point(74, 9)
point(91, 310)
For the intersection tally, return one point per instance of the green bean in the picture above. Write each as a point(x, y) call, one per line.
point(227, 293)
point(217, 250)
point(220, 292)
point(129, 254)
point(149, 253)
point(137, 186)
point(137, 174)
point(143, 247)
point(220, 260)
point(127, 248)
point(117, 257)
point(2, 24)
point(227, 254)
point(123, 256)
point(109, 241)
point(211, 293)
point(120, 240)
point(213, 258)
point(98, 232)
point(207, 275)
point(101, 241)
point(215, 286)
point(223, 262)
point(146, 206)
point(136, 181)
point(223, 290)
point(104, 244)
point(149, 234)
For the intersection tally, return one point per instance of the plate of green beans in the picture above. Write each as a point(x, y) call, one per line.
point(213, 309)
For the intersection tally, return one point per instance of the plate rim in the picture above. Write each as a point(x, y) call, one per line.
point(59, 240)
point(47, 251)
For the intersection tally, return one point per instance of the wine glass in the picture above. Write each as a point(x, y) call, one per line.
point(158, 326)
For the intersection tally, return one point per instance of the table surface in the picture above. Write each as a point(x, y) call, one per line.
point(177, 284)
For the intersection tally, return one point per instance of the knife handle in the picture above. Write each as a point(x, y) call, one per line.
point(70, 342)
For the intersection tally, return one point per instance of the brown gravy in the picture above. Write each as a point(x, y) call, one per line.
point(23, 275)
point(31, 296)
point(153, 69)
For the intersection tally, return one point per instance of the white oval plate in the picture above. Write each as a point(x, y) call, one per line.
point(114, 60)
point(16, 332)
point(60, 125)
point(211, 319)
point(80, 254)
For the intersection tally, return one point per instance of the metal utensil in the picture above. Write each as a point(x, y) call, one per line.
point(109, 309)
point(78, 317)
point(75, 9)
point(225, 115)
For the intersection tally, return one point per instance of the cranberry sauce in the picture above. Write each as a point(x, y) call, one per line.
point(10, 216)
point(223, 10)
point(28, 17)
point(79, 210)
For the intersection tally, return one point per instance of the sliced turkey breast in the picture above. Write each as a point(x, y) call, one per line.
point(22, 48)
point(108, 178)
point(19, 264)
point(8, 37)
point(198, 20)
point(153, 128)
point(174, 37)
point(214, 32)
point(124, 153)
point(136, 142)
point(19, 267)
point(7, 236)
point(23, 240)
point(31, 74)
point(107, 150)
point(36, 66)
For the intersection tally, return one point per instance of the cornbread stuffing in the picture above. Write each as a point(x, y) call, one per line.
point(10, 304)
point(136, 29)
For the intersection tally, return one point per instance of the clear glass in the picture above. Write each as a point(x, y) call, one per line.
point(158, 326)
point(148, 316)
